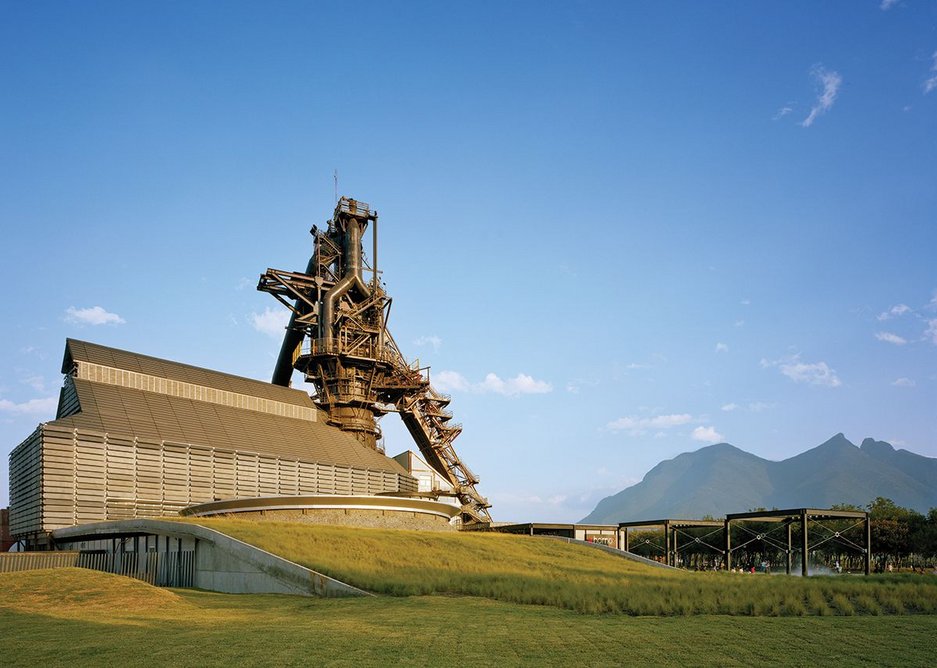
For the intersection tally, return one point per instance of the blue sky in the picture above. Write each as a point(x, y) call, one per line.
point(617, 231)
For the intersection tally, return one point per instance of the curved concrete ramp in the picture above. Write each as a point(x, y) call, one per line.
point(614, 552)
point(221, 563)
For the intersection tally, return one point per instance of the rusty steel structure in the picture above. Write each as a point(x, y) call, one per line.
point(337, 337)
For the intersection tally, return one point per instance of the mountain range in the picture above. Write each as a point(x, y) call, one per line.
point(721, 479)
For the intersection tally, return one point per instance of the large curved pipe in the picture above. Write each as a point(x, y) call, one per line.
point(352, 278)
point(283, 371)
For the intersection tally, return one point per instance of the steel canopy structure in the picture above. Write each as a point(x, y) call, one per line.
point(337, 337)
point(787, 518)
point(673, 528)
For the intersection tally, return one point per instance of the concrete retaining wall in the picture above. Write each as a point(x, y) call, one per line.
point(614, 552)
point(222, 563)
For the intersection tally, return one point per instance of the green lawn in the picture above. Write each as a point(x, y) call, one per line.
point(78, 617)
point(540, 571)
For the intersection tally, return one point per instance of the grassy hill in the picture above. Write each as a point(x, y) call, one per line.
point(77, 617)
point(520, 569)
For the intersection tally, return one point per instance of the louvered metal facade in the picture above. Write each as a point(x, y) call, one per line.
point(141, 437)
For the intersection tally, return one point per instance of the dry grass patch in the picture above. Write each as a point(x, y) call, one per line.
point(79, 592)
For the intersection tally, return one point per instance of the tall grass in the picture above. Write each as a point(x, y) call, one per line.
point(520, 569)
point(46, 620)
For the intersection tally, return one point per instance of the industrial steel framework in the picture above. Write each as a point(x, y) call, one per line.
point(338, 338)
point(673, 530)
point(785, 519)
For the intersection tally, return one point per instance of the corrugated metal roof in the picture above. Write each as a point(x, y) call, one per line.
point(114, 409)
point(120, 410)
point(84, 351)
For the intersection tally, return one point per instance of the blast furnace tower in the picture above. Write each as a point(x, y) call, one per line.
point(338, 338)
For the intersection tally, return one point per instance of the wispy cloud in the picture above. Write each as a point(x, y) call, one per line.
point(433, 341)
point(894, 312)
point(453, 381)
point(271, 322)
point(887, 4)
point(930, 334)
point(38, 383)
point(45, 406)
point(92, 316)
point(753, 406)
point(903, 382)
point(707, 434)
point(888, 337)
point(782, 112)
point(815, 373)
point(722, 347)
point(931, 83)
point(637, 425)
point(829, 82)
point(576, 384)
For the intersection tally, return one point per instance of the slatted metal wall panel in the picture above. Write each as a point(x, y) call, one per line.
point(175, 477)
point(267, 471)
point(247, 480)
point(308, 482)
point(288, 477)
point(61, 477)
point(68, 399)
point(224, 474)
point(59, 471)
point(121, 477)
point(90, 477)
point(26, 486)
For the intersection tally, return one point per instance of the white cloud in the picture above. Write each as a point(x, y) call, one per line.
point(92, 316)
point(817, 373)
point(758, 406)
point(707, 434)
point(520, 384)
point(722, 348)
point(38, 383)
point(887, 4)
point(576, 384)
point(739, 323)
point(728, 408)
point(894, 312)
point(449, 381)
point(931, 83)
point(888, 337)
point(829, 81)
point(637, 426)
point(271, 322)
point(782, 112)
point(903, 382)
point(930, 333)
point(433, 341)
point(45, 406)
